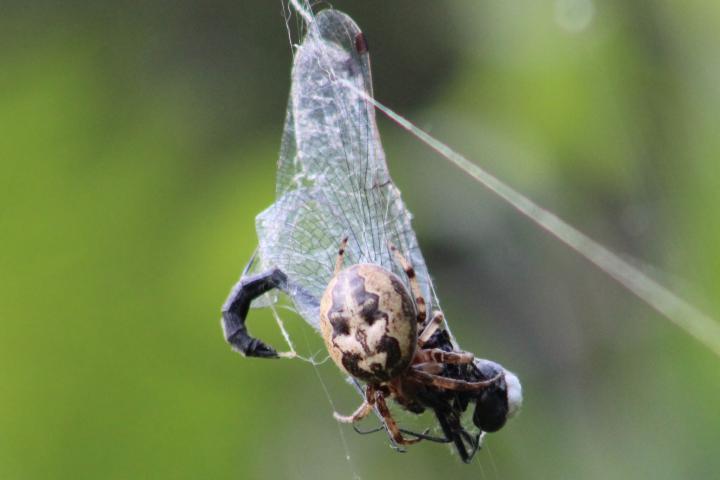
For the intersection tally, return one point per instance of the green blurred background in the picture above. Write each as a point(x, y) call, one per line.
point(138, 141)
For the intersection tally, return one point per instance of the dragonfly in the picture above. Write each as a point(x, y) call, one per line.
point(338, 241)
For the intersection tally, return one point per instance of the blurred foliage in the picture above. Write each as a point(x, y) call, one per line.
point(139, 142)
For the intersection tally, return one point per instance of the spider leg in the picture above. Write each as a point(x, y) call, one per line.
point(341, 256)
point(414, 286)
point(441, 356)
point(445, 383)
point(390, 421)
point(362, 411)
point(376, 398)
point(433, 368)
point(235, 310)
point(431, 327)
point(362, 393)
point(423, 435)
point(367, 432)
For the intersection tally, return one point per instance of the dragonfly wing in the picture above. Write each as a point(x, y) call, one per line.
point(332, 178)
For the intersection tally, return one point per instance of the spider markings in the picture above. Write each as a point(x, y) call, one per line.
point(363, 319)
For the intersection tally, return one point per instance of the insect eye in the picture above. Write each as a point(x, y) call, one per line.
point(491, 409)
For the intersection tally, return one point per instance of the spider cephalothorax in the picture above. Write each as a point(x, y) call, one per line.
point(376, 332)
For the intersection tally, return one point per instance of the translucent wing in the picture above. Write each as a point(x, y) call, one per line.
point(332, 178)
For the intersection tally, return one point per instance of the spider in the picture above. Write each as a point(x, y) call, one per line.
point(377, 333)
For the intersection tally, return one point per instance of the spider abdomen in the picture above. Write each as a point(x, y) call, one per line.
point(368, 321)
